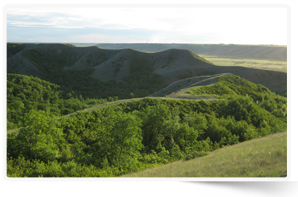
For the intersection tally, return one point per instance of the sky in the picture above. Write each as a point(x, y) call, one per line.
point(148, 25)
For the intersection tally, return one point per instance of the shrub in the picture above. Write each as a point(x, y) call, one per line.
point(194, 154)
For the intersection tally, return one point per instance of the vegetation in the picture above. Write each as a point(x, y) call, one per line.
point(200, 58)
point(141, 81)
point(26, 93)
point(133, 136)
point(129, 137)
point(234, 85)
point(272, 65)
point(263, 157)
point(13, 49)
point(141, 78)
point(265, 52)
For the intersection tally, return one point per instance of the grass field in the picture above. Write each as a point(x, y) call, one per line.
point(262, 157)
point(280, 66)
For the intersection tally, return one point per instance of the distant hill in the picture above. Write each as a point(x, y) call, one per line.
point(107, 64)
point(267, 52)
point(138, 72)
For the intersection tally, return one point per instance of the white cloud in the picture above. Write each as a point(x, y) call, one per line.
point(231, 23)
point(26, 24)
point(98, 38)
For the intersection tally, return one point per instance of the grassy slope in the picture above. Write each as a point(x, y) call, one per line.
point(262, 157)
point(231, 85)
point(179, 88)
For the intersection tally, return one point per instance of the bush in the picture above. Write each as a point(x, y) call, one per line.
point(176, 153)
point(194, 154)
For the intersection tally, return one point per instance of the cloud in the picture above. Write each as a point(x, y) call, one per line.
point(157, 24)
point(86, 18)
point(27, 24)
point(98, 38)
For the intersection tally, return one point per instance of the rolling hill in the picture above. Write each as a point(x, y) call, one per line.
point(268, 52)
point(107, 64)
point(193, 108)
point(127, 66)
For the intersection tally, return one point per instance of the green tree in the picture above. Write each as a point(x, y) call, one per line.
point(39, 138)
point(196, 121)
point(186, 136)
point(160, 123)
point(118, 137)
point(176, 153)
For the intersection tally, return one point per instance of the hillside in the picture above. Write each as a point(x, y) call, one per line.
point(194, 108)
point(26, 93)
point(131, 135)
point(268, 52)
point(262, 157)
point(107, 64)
point(133, 71)
point(152, 132)
point(179, 88)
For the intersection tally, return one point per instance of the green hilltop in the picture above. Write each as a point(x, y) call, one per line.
point(230, 85)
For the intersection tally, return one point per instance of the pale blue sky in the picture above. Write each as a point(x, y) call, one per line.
point(152, 25)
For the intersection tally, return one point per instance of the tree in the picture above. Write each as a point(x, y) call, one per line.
point(39, 138)
point(185, 136)
point(159, 125)
point(118, 138)
point(196, 121)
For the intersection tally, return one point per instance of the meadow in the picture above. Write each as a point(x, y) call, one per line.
point(280, 66)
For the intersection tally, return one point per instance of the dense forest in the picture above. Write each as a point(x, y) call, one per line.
point(26, 93)
point(131, 136)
